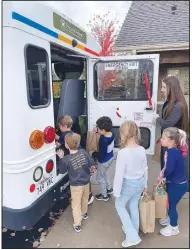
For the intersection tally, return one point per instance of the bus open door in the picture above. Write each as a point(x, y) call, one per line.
point(125, 88)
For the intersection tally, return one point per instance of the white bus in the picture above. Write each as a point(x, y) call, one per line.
point(45, 55)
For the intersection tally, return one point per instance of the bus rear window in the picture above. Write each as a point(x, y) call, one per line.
point(145, 136)
point(122, 80)
point(37, 74)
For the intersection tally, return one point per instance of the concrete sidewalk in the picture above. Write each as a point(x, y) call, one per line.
point(103, 227)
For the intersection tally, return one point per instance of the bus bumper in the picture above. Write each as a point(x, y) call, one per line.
point(22, 219)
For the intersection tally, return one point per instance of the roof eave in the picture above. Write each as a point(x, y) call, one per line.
point(155, 47)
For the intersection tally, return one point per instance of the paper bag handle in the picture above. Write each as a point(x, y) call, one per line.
point(157, 185)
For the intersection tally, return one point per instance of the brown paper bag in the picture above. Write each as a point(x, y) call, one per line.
point(147, 214)
point(161, 201)
point(157, 155)
point(92, 144)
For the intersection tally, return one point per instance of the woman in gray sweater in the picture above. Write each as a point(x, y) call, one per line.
point(174, 112)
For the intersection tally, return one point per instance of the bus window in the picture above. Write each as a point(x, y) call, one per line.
point(37, 74)
point(144, 133)
point(122, 80)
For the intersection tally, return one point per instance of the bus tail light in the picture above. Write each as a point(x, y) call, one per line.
point(37, 175)
point(49, 166)
point(32, 188)
point(36, 139)
point(49, 134)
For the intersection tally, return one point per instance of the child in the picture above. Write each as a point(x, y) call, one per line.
point(105, 157)
point(65, 125)
point(174, 172)
point(78, 164)
point(130, 181)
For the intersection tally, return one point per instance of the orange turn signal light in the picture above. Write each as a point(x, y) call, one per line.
point(36, 139)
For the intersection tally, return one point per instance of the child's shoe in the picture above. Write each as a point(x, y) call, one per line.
point(110, 191)
point(164, 221)
point(91, 199)
point(169, 231)
point(85, 216)
point(126, 243)
point(77, 229)
point(100, 197)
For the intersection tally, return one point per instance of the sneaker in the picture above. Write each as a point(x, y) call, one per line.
point(110, 191)
point(126, 243)
point(164, 221)
point(85, 216)
point(100, 197)
point(169, 231)
point(77, 229)
point(91, 199)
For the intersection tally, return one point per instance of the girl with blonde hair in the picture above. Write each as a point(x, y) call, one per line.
point(130, 181)
point(174, 140)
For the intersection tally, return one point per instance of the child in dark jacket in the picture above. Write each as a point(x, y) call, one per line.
point(65, 125)
point(105, 157)
point(78, 165)
point(174, 172)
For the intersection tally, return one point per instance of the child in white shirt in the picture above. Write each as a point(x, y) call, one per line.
point(130, 181)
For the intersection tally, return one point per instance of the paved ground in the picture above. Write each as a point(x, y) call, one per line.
point(103, 228)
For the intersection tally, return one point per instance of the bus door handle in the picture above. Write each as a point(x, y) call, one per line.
point(149, 108)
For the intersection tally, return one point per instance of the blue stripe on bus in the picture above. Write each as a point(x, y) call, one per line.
point(33, 24)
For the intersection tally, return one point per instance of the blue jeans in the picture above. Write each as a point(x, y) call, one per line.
point(175, 193)
point(130, 193)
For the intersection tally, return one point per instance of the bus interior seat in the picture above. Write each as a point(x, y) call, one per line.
point(72, 100)
point(65, 69)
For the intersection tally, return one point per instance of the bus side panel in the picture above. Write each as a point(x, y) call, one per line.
point(34, 13)
point(7, 9)
point(20, 120)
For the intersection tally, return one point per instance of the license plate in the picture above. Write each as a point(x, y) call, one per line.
point(44, 185)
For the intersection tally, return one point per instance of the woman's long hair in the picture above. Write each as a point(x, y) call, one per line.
point(175, 95)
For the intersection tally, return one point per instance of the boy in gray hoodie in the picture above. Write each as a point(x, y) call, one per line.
point(78, 165)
